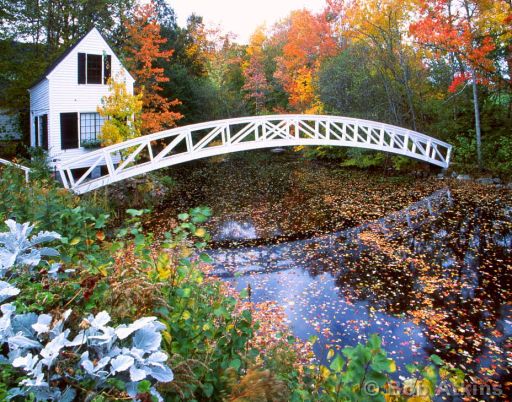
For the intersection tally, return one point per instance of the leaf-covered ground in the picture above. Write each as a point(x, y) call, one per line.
point(433, 276)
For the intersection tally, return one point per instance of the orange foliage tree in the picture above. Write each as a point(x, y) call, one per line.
point(462, 31)
point(143, 49)
point(307, 40)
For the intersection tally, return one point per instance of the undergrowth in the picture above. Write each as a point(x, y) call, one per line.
point(219, 345)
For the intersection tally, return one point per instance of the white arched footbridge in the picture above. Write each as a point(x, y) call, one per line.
point(183, 144)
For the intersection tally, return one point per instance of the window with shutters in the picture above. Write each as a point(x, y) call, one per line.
point(94, 68)
point(90, 128)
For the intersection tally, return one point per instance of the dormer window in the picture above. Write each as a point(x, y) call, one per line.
point(94, 68)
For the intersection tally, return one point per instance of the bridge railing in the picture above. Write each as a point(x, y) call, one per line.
point(181, 144)
point(25, 169)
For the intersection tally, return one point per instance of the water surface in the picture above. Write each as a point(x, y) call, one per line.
point(427, 264)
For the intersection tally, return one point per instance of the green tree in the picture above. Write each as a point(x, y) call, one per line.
point(347, 81)
point(58, 23)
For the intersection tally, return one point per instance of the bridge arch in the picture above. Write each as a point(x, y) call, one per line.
point(182, 144)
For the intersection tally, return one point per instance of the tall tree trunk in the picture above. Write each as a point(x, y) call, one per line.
point(475, 94)
point(509, 64)
point(392, 105)
point(408, 90)
point(477, 120)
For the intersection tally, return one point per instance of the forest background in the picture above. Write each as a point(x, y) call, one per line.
point(441, 67)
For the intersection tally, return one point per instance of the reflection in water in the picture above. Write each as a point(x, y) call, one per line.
point(309, 252)
point(233, 230)
point(431, 278)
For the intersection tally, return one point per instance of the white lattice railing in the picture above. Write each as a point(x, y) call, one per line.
point(25, 169)
point(182, 144)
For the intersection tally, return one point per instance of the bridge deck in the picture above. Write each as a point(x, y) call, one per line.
point(170, 147)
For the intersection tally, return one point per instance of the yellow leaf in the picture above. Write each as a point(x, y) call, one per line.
point(163, 261)
point(186, 315)
point(200, 232)
point(75, 241)
point(163, 274)
point(392, 366)
point(167, 336)
point(324, 372)
point(103, 270)
point(186, 252)
point(330, 354)
point(430, 372)
point(425, 387)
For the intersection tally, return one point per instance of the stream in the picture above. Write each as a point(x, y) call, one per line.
point(425, 263)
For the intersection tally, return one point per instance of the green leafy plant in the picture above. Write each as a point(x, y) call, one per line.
point(363, 159)
point(51, 207)
point(40, 346)
point(90, 144)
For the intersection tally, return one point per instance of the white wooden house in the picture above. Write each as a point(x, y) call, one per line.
point(63, 103)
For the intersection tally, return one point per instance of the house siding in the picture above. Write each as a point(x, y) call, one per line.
point(65, 95)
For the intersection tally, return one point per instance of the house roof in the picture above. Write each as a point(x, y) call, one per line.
point(59, 59)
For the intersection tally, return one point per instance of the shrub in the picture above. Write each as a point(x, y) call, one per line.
point(98, 359)
point(364, 159)
point(50, 207)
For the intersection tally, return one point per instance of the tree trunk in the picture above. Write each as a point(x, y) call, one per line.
point(477, 121)
point(408, 90)
point(475, 94)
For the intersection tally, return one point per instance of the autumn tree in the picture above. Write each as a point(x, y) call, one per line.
point(380, 29)
point(198, 47)
point(256, 85)
point(225, 73)
point(144, 57)
point(121, 111)
point(217, 60)
point(307, 40)
point(459, 30)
